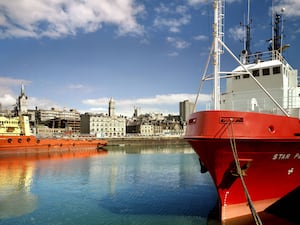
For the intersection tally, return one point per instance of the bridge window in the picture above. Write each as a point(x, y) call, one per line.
point(266, 71)
point(276, 70)
point(255, 73)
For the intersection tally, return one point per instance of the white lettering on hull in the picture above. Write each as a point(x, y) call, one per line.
point(285, 156)
point(297, 156)
point(281, 156)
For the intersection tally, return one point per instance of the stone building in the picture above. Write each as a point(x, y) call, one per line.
point(101, 125)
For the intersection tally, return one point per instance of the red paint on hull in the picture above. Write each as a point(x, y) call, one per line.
point(268, 149)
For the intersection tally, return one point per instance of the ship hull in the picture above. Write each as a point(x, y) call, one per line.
point(19, 144)
point(268, 150)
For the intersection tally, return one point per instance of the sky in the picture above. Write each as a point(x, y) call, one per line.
point(148, 54)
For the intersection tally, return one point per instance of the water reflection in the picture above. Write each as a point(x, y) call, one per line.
point(15, 187)
point(16, 178)
point(156, 180)
point(129, 185)
point(150, 149)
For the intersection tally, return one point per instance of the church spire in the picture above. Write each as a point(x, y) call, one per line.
point(22, 101)
point(22, 89)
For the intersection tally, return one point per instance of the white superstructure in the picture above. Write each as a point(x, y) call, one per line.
point(278, 78)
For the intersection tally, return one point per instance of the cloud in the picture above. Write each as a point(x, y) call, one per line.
point(196, 2)
point(167, 104)
point(172, 18)
point(237, 33)
point(8, 88)
point(59, 18)
point(173, 54)
point(201, 38)
point(7, 101)
point(177, 43)
point(76, 86)
point(291, 7)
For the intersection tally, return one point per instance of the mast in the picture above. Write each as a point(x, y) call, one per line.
point(217, 35)
point(248, 37)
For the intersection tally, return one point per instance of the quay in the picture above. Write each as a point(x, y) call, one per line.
point(150, 141)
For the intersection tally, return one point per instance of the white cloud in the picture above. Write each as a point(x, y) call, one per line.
point(167, 104)
point(291, 7)
point(172, 18)
point(196, 2)
point(237, 33)
point(8, 88)
point(7, 101)
point(76, 86)
point(201, 38)
point(178, 43)
point(59, 18)
point(42, 103)
point(173, 54)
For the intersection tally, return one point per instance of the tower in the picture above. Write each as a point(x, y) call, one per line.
point(111, 108)
point(185, 109)
point(22, 104)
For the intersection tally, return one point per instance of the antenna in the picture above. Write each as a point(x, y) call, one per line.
point(246, 51)
point(248, 31)
point(281, 37)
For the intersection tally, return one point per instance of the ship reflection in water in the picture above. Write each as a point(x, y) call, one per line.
point(125, 185)
point(16, 198)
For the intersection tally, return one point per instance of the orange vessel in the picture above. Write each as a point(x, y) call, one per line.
point(15, 136)
point(25, 143)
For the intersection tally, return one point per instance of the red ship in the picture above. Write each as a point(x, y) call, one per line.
point(250, 141)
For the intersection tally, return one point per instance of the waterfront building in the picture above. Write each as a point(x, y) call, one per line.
point(155, 124)
point(100, 125)
point(61, 122)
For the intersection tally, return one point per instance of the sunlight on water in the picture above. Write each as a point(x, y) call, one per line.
point(146, 187)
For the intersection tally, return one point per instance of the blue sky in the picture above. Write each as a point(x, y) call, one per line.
point(148, 53)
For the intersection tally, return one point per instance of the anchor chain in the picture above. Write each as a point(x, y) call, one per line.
point(239, 171)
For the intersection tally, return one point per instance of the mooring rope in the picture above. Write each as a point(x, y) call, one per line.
point(239, 171)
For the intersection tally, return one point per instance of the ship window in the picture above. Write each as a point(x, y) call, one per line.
point(246, 75)
point(255, 73)
point(266, 71)
point(237, 77)
point(276, 70)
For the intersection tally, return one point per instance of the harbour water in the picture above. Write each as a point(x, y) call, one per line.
point(145, 185)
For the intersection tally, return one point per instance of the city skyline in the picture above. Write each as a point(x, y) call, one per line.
point(146, 54)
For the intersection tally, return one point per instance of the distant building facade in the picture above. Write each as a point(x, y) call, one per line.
point(56, 122)
point(155, 125)
point(185, 109)
point(101, 125)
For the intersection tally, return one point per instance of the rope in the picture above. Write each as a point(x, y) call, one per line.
point(239, 170)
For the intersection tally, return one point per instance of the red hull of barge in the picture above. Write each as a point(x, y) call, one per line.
point(16, 144)
point(268, 148)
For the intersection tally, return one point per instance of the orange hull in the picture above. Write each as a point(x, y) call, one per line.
point(13, 144)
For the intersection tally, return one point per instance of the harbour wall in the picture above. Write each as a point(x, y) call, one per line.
point(136, 141)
